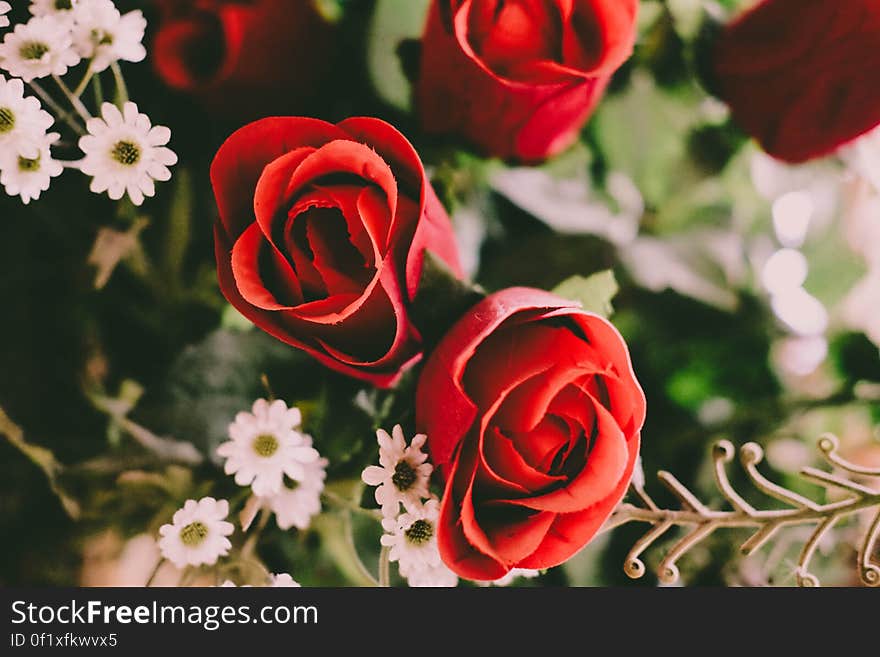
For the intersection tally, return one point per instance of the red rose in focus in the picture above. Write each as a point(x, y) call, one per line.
point(801, 75)
point(241, 57)
point(519, 78)
point(322, 235)
point(533, 415)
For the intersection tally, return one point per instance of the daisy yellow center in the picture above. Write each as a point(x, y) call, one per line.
point(265, 445)
point(193, 534)
point(62, 5)
point(28, 166)
point(126, 152)
point(420, 532)
point(7, 120)
point(101, 38)
point(404, 476)
point(31, 50)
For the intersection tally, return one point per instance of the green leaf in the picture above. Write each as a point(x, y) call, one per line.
point(595, 292)
point(394, 21)
point(213, 380)
point(43, 459)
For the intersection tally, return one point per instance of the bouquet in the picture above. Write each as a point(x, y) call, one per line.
point(427, 286)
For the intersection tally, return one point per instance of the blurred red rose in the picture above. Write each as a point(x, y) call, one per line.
point(241, 57)
point(519, 78)
point(322, 235)
point(801, 75)
point(533, 415)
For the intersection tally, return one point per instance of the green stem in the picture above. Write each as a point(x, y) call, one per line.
point(384, 567)
point(81, 87)
point(154, 573)
point(250, 546)
point(74, 100)
point(352, 546)
point(121, 88)
point(348, 505)
point(60, 112)
point(98, 90)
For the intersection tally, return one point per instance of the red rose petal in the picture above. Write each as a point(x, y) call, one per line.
point(365, 334)
point(599, 35)
point(515, 353)
point(240, 161)
point(456, 550)
point(514, 533)
point(271, 197)
point(336, 259)
point(246, 256)
point(345, 156)
point(445, 411)
point(604, 468)
point(801, 76)
point(570, 532)
point(375, 216)
point(505, 468)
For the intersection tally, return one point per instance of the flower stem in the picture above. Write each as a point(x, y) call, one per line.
point(60, 112)
point(384, 567)
point(349, 538)
point(341, 503)
point(121, 88)
point(81, 87)
point(74, 100)
point(154, 573)
point(98, 90)
point(248, 549)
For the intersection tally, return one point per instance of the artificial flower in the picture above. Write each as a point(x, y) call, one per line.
point(197, 534)
point(41, 47)
point(265, 447)
point(28, 177)
point(402, 476)
point(103, 35)
point(125, 153)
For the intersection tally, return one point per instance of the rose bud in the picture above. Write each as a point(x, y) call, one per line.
point(322, 236)
point(533, 415)
point(241, 58)
point(800, 76)
point(519, 78)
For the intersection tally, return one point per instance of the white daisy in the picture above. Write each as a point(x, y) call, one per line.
point(403, 475)
point(40, 47)
point(5, 8)
point(266, 446)
point(23, 121)
point(514, 574)
point(57, 8)
point(412, 537)
point(30, 177)
point(125, 153)
point(434, 577)
point(298, 501)
point(283, 580)
point(197, 533)
point(102, 34)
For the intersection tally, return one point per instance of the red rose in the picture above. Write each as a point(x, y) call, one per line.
point(322, 235)
point(801, 75)
point(533, 415)
point(519, 78)
point(241, 56)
